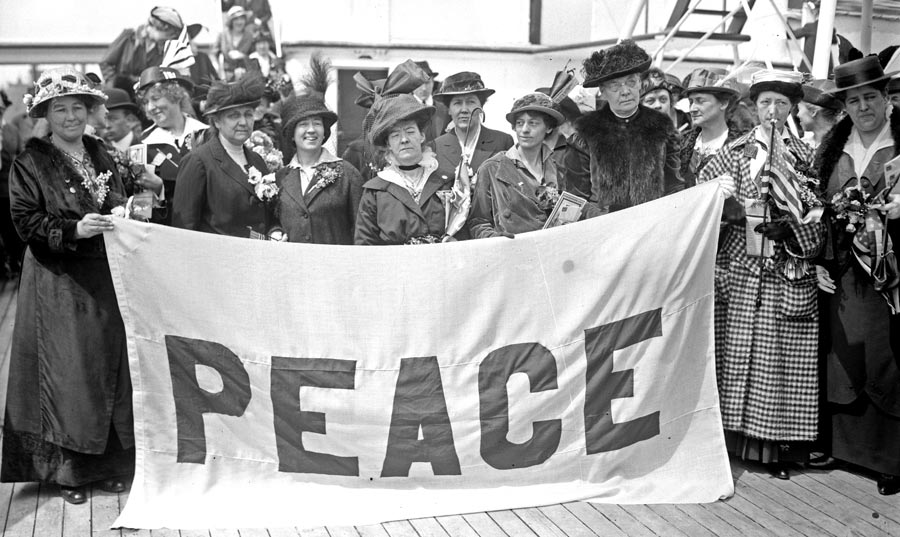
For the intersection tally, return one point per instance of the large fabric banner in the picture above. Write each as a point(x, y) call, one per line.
point(305, 385)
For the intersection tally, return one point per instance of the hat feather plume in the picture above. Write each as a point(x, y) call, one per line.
point(318, 77)
point(563, 83)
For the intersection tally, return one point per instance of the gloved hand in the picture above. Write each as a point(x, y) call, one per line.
point(733, 212)
point(775, 231)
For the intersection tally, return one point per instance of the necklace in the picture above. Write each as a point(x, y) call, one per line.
point(414, 182)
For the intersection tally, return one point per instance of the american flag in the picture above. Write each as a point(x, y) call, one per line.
point(177, 53)
point(782, 184)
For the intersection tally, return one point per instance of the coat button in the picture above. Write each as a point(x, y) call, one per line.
point(507, 214)
point(305, 215)
point(865, 183)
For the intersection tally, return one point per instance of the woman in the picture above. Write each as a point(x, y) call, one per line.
point(318, 192)
point(401, 205)
point(517, 190)
point(235, 43)
point(862, 334)
point(222, 186)
point(68, 408)
point(656, 93)
point(165, 96)
point(819, 111)
point(767, 331)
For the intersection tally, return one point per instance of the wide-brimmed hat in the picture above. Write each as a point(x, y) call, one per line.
point(391, 110)
point(117, 99)
point(365, 98)
point(654, 79)
point(247, 91)
point(534, 102)
point(893, 86)
point(193, 30)
point(60, 82)
point(297, 108)
point(818, 93)
point(787, 83)
point(462, 84)
point(156, 75)
point(858, 73)
point(427, 68)
point(167, 15)
point(619, 60)
point(711, 80)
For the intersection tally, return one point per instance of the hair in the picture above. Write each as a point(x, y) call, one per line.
point(230, 23)
point(447, 98)
point(549, 120)
point(171, 91)
point(740, 117)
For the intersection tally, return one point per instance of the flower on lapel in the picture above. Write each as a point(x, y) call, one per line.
point(328, 173)
point(263, 185)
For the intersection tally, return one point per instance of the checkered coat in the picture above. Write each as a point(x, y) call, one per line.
point(765, 355)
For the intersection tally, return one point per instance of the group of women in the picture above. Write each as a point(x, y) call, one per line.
point(75, 428)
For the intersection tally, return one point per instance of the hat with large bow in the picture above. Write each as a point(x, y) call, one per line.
point(393, 102)
point(247, 91)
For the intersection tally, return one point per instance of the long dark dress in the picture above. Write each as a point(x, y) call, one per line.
point(68, 408)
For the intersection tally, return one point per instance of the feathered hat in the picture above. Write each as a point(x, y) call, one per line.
point(247, 91)
point(60, 82)
point(393, 102)
point(617, 61)
point(564, 82)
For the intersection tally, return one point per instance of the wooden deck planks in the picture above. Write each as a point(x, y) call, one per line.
point(856, 516)
point(510, 523)
point(456, 526)
point(678, 518)
point(22, 510)
point(427, 527)
point(623, 520)
point(484, 525)
point(594, 520)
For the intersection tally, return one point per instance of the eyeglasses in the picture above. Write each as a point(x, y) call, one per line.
point(632, 81)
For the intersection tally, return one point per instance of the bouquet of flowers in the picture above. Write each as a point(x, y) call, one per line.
point(263, 185)
point(261, 144)
point(850, 207)
point(128, 170)
point(547, 196)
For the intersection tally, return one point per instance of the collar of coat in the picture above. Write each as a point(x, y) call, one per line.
point(832, 146)
point(57, 168)
point(648, 124)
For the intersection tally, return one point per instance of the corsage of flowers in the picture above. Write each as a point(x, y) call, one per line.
point(328, 173)
point(851, 205)
point(263, 185)
point(98, 186)
point(261, 144)
point(129, 170)
point(547, 196)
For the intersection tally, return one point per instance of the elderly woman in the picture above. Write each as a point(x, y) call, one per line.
point(469, 141)
point(862, 332)
point(318, 192)
point(766, 318)
point(222, 186)
point(235, 43)
point(165, 96)
point(401, 205)
point(68, 406)
point(517, 190)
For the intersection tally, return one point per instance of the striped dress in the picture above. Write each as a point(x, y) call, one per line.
point(766, 332)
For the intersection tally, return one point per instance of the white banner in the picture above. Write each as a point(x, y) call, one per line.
point(307, 385)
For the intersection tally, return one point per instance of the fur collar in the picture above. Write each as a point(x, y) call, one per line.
point(832, 146)
point(57, 168)
point(649, 123)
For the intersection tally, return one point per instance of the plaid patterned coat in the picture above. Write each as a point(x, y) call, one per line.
point(765, 356)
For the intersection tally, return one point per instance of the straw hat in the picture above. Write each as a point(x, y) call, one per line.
point(787, 83)
point(60, 82)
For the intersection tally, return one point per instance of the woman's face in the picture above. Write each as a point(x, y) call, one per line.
point(235, 124)
point(162, 111)
point(238, 24)
point(465, 111)
point(867, 108)
point(806, 113)
point(531, 130)
point(67, 117)
point(309, 134)
point(771, 105)
point(405, 143)
point(658, 99)
point(706, 109)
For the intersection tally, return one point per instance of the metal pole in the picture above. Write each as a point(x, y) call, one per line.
point(792, 39)
point(631, 22)
point(703, 38)
point(865, 30)
point(824, 33)
point(657, 55)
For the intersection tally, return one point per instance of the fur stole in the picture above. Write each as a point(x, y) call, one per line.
point(629, 156)
point(54, 167)
point(832, 146)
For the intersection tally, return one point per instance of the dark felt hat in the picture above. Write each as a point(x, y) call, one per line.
point(390, 110)
point(815, 92)
point(787, 83)
point(247, 91)
point(156, 75)
point(893, 86)
point(654, 79)
point(4, 99)
point(711, 80)
point(117, 99)
point(619, 60)
point(297, 108)
point(194, 29)
point(461, 84)
point(858, 73)
point(535, 102)
point(425, 67)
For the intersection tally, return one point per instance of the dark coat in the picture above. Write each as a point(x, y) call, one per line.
point(325, 215)
point(213, 194)
point(68, 382)
point(631, 161)
point(388, 214)
point(691, 167)
point(860, 359)
point(490, 142)
point(128, 55)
